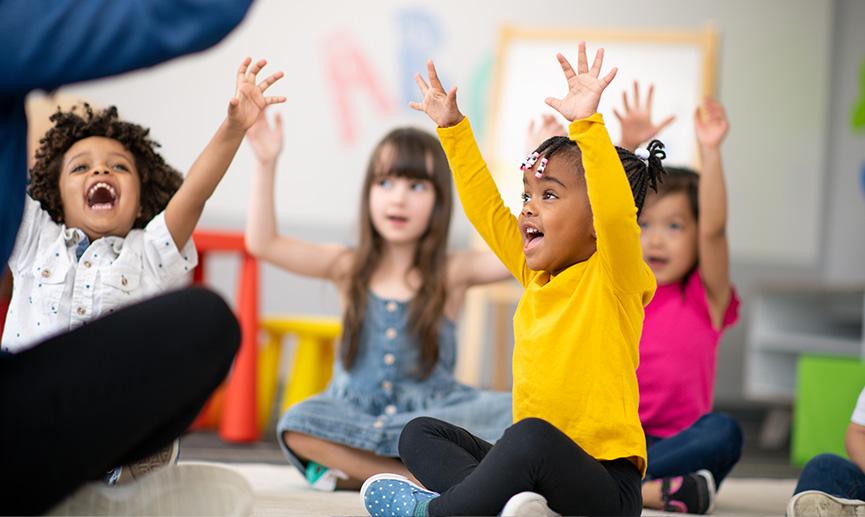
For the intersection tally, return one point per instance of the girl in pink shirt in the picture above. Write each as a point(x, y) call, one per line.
point(683, 233)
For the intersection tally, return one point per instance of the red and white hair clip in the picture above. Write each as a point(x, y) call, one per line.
point(541, 167)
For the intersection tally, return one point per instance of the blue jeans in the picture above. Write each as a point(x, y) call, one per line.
point(713, 443)
point(833, 475)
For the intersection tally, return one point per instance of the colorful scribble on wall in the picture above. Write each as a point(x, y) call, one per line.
point(351, 74)
point(420, 36)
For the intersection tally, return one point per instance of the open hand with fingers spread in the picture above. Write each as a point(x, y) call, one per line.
point(636, 121)
point(249, 100)
point(438, 104)
point(585, 86)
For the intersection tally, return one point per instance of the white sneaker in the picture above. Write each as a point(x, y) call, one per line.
point(184, 489)
point(528, 504)
point(813, 503)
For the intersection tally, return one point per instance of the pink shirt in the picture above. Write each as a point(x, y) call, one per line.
point(677, 357)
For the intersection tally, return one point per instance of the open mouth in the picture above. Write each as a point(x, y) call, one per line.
point(532, 238)
point(397, 219)
point(102, 196)
point(657, 262)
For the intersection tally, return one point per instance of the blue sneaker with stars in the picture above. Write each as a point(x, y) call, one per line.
point(392, 495)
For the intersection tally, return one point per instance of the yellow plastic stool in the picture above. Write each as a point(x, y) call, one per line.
point(312, 364)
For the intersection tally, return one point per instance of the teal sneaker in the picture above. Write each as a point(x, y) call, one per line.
point(392, 495)
point(323, 478)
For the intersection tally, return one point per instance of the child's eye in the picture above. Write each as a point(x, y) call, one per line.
point(79, 168)
point(643, 225)
point(121, 167)
point(549, 194)
point(675, 226)
point(385, 183)
point(419, 186)
point(525, 198)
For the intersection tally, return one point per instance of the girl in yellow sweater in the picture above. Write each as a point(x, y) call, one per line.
point(577, 443)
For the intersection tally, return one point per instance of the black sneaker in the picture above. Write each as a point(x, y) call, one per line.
point(693, 493)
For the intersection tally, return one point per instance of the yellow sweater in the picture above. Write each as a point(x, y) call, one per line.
point(576, 334)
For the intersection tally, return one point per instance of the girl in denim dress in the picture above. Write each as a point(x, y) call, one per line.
point(401, 291)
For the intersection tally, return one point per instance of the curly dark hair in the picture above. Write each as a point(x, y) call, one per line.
point(159, 181)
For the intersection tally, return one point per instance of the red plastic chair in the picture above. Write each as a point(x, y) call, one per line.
point(237, 404)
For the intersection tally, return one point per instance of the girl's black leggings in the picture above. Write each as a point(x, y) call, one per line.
point(477, 478)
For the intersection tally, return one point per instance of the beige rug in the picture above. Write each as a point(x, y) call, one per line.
point(280, 490)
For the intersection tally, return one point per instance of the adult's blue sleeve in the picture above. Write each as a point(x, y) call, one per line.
point(49, 43)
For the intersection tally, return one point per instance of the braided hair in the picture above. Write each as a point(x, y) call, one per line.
point(642, 174)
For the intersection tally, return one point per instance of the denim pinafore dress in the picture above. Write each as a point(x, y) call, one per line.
point(367, 407)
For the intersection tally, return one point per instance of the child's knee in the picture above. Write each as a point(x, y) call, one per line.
point(413, 433)
point(530, 435)
point(302, 445)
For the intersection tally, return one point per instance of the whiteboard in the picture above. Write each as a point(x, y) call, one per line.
point(679, 64)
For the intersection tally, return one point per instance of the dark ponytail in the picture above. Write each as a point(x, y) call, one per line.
point(643, 174)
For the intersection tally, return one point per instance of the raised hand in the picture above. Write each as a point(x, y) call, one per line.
point(438, 104)
point(536, 134)
point(266, 140)
point(637, 126)
point(710, 123)
point(249, 100)
point(585, 86)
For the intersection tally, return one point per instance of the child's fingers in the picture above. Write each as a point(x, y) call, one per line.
point(582, 60)
point(566, 67)
point(609, 77)
point(553, 103)
point(421, 83)
point(452, 95)
point(618, 115)
point(650, 97)
point(417, 106)
point(273, 100)
point(257, 67)
point(637, 94)
point(241, 71)
point(433, 76)
point(666, 122)
point(625, 100)
point(598, 62)
point(264, 85)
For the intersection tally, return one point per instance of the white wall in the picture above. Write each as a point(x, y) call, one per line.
point(844, 237)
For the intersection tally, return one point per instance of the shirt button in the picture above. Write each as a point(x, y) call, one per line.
point(390, 410)
point(391, 306)
point(46, 273)
point(81, 311)
point(378, 424)
point(87, 264)
point(387, 385)
point(389, 359)
point(390, 333)
point(123, 280)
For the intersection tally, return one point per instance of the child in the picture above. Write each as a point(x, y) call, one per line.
point(830, 484)
point(683, 234)
point(401, 292)
point(577, 439)
point(109, 222)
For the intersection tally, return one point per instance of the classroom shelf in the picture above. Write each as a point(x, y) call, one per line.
point(789, 321)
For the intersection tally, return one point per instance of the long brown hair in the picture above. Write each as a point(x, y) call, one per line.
point(415, 154)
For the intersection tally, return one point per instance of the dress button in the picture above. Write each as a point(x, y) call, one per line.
point(123, 280)
point(87, 264)
point(390, 333)
point(46, 273)
point(378, 424)
point(386, 385)
point(81, 311)
point(389, 359)
point(391, 306)
point(390, 410)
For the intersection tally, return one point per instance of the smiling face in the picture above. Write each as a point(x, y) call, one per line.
point(668, 234)
point(556, 220)
point(100, 187)
point(400, 206)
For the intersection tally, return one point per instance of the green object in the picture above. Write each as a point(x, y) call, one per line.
point(826, 395)
point(857, 113)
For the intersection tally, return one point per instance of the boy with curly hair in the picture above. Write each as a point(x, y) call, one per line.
point(109, 222)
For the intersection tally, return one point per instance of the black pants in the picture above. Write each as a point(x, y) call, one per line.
point(477, 478)
point(108, 393)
